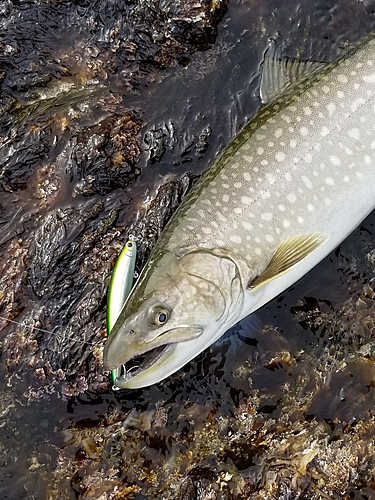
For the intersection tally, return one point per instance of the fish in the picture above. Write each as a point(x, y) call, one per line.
point(293, 184)
point(120, 286)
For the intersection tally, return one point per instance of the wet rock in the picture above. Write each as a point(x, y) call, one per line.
point(70, 147)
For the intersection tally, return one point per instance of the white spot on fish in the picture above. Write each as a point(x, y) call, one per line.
point(335, 160)
point(286, 223)
point(278, 133)
point(354, 133)
point(280, 156)
point(307, 111)
point(293, 143)
point(331, 108)
point(291, 197)
point(225, 198)
point(304, 131)
point(281, 208)
point(266, 216)
point(300, 219)
point(270, 177)
point(235, 238)
point(346, 178)
point(369, 78)
point(247, 225)
point(306, 182)
point(237, 185)
point(310, 207)
point(324, 132)
point(330, 181)
point(245, 200)
point(258, 251)
point(260, 151)
point(368, 160)
point(327, 201)
point(221, 217)
point(286, 118)
point(342, 79)
point(288, 177)
point(206, 230)
point(270, 238)
point(238, 210)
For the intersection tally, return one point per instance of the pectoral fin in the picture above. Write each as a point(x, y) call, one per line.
point(287, 255)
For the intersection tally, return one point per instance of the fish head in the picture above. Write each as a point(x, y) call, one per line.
point(180, 305)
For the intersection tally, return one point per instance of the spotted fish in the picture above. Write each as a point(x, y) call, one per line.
point(289, 188)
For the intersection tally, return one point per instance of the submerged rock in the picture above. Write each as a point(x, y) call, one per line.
point(70, 153)
point(300, 427)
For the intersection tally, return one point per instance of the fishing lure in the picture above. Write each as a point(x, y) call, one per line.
point(119, 289)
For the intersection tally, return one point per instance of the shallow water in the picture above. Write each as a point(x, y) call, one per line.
point(293, 382)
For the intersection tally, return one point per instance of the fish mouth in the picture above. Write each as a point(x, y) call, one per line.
point(139, 363)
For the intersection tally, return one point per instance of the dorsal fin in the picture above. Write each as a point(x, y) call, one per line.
point(280, 72)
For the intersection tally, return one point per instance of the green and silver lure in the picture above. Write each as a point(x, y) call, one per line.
point(119, 289)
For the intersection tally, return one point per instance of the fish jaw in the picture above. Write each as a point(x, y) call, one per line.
point(168, 360)
point(121, 349)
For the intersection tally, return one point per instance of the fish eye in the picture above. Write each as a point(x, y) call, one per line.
point(161, 317)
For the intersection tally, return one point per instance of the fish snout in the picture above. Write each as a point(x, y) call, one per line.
point(120, 346)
